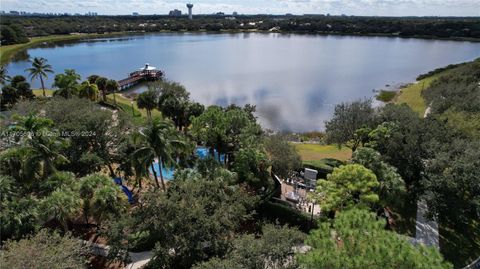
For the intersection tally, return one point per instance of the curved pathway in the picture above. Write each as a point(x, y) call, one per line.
point(426, 231)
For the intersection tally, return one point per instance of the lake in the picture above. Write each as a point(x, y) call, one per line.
point(294, 80)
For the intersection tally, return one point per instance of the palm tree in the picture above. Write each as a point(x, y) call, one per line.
point(129, 164)
point(88, 90)
point(102, 86)
point(67, 83)
point(4, 78)
point(160, 140)
point(148, 100)
point(112, 86)
point(39, 69)
point(92, 78)
point(42, 151)
point(63, 204)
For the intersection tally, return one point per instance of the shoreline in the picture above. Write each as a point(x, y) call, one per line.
point(7, 52)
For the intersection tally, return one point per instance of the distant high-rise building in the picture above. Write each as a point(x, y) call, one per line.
point(235, 13)
point(190, 6)
point(175, 13)
point(134, 13)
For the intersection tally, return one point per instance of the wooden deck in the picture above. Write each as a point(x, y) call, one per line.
point(138, 76)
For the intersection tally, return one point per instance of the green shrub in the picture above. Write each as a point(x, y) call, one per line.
point(323, 166)
point(385, 96)
point(284, 214)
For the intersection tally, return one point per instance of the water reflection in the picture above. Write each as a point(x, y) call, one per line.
point(295, 80)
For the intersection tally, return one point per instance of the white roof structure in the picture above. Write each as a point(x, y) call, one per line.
point(147, 67)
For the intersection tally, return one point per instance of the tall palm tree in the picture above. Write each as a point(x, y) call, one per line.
point(160, 140)
point(112, 86)
point(88, 90)
point(4, 78)
point(39, 69)
point(129, 164)
point(102, 86)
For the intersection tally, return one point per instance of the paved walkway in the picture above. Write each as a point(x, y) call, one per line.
point(139, 259)
point(426, 231)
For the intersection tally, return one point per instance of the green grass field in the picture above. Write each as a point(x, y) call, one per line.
point(126, 104)
point(39, 92)
point(412, 94)
point(315, 152)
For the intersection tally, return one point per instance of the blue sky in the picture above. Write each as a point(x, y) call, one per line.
point(350, 7)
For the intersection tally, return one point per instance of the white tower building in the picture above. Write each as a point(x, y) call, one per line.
point(190, 6)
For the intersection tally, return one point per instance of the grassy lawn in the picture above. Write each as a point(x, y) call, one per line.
point(316, 152)
point(412, 94)
point(39, 92)
point(127, 105)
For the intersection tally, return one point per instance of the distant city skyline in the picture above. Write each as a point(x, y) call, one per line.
point(299, 7)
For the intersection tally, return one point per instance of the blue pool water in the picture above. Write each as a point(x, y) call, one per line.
point(168, 172)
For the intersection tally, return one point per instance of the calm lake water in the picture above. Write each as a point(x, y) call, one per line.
point(295, 80)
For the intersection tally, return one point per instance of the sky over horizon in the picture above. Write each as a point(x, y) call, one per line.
point(334, 7)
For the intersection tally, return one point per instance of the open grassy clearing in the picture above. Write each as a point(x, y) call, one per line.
point(127, 105)
point(39, 92)
point(412, 94)
point(316, 152)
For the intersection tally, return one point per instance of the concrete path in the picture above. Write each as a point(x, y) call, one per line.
point(426, 231)
point(139, 259)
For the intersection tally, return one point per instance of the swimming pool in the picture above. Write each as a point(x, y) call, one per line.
point(201, 152)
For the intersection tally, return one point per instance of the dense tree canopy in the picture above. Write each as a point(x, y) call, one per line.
point(193, 220)
point(12, 34)
point(273, 249)
point(390, 182)
point(44, 250)
point(432, 27)
point(347, 186)
point(347, 119)
point(283, 157)
point(357, 239)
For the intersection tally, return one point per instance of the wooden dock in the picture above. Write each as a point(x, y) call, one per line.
point(147, 73)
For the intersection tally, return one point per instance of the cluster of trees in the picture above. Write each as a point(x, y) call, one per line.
point(434, 158)
point(411, 26)
point(12, 34)
point(60, 153)
point(65, 85)
point(14, 90)
point(68, 85)
point(394, 140)
point(59, 156)
point(358, 239)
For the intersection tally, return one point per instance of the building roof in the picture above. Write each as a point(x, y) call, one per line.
point(147, 67)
